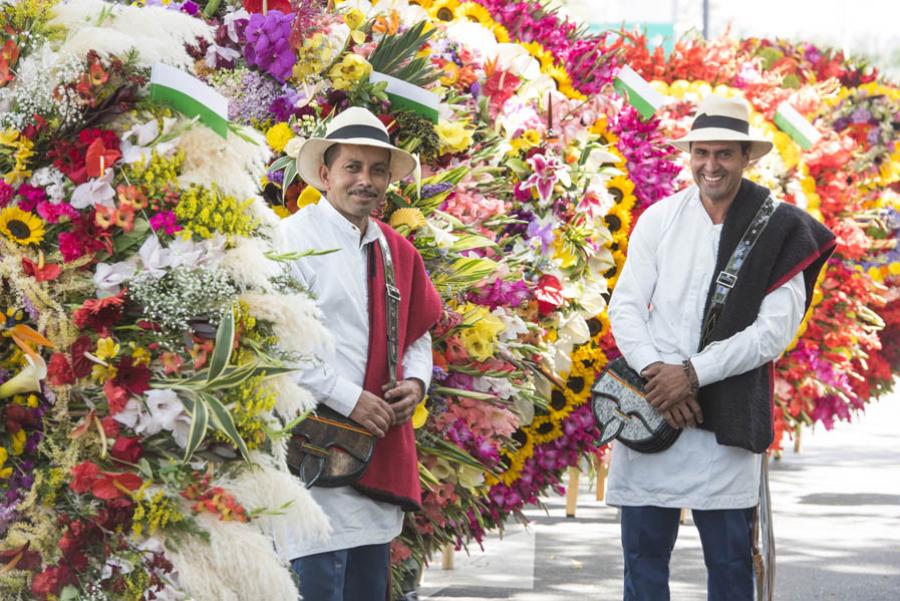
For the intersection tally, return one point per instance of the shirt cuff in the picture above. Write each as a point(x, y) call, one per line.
point(641, 357)
point(343, 396)
point(706, 368)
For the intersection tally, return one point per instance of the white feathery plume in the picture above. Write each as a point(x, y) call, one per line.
point(292, 399)
point(156, 33)
point(264, 215)
point(296, 319)
point(238, 564)
point(265, 485)
point(248, 265)
point(235, 164)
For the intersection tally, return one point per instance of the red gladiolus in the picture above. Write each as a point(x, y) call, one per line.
point(114, 485)
point(83, 476)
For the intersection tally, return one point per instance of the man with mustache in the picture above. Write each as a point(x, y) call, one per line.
point(708, 371)
point(353, 164)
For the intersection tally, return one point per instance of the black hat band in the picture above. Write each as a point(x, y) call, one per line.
point(703, 121)
point(359, 131)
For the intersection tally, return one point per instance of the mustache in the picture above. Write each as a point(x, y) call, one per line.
point(365, 191)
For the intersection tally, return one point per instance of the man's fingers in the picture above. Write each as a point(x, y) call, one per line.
point(667, 415)
point(694, 407)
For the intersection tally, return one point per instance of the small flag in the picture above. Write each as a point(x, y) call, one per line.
point(405, 95)
point(187, 94)
point(640, 95)
point(791, 122)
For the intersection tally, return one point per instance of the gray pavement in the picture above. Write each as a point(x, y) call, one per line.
point(837, 527)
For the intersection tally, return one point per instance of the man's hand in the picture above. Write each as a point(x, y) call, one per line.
point(685, 414)
point(373, 413)
point(403, 398)
point(667, 384)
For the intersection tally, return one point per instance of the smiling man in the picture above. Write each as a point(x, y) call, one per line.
point(353, 164)
point(703, 324)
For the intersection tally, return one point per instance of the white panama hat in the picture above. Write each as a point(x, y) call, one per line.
point(355, 125)
point(723, 120)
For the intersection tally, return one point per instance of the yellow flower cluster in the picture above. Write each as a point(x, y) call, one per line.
point(22, 149)
point(153, 513)
point(157, 174)
point(278, 136)
point(480, 331)
point(350, 70)
point(526, 140)
point(252, 399)
point(205, 211)
point(5, 470)
point(454, 137)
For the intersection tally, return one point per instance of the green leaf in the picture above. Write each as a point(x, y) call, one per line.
point(396, 56)
point(293, 256)
point(199, 424)
point(281, 163)
point(132, 238)
point(225, 424)
point(471, 241)
point(222, 351)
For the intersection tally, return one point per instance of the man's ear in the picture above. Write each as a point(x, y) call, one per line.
point(323, 175)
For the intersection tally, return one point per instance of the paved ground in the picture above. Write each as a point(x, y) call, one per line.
point(837, 525)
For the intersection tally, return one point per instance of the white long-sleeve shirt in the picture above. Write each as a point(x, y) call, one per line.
point(339, 283)
point(656, 313)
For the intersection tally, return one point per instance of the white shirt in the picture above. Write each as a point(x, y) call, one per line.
point(656, 313)
point(339, 284)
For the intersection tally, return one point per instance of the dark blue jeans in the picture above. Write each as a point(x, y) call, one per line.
point(648, 537)
point(358, 574)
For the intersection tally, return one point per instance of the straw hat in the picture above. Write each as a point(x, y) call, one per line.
point(355, 125)
point(723, 120)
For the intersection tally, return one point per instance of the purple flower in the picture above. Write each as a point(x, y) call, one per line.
point(268, 44)
point(541, 231)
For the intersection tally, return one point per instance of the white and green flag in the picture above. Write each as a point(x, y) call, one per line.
point(791, 122)
point(405, 95)
point(187, 94)
point(637, 90)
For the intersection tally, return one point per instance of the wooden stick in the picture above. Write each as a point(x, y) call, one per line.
point(447, 557)
point(572, 491)
point(797, 431)
point(602, 473)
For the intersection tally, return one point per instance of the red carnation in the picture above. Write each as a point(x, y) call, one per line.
point(100, 314)
point(50, 581)
point(127, 449)
point(116, 397)
point(110, 426)
point(59, 372)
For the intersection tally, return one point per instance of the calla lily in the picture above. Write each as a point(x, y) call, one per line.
point(27, 380)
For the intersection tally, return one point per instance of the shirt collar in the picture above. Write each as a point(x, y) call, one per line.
point(344, 226)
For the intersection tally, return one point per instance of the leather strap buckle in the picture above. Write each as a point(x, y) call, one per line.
point(726, 279)
point(393, 292)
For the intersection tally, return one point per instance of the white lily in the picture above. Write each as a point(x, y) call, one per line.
point(93, 192)
point(109, 277)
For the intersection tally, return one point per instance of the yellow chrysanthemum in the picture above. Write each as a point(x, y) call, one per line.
point(20, 226)
point(445, 10)
point(278, 136)
point(409, 218)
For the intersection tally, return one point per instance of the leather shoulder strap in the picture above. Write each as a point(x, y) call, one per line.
point(392, 305)
point(728, 277)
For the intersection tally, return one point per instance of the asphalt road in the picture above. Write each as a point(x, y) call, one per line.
point(837, 527)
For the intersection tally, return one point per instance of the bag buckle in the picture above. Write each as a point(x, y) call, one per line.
point(726, 279)
point(393, 292)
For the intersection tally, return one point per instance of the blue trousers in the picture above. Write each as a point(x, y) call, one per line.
point(648, 537)
point(358, 574)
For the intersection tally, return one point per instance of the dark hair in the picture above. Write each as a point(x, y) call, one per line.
point(746, 145)
point(331, 153)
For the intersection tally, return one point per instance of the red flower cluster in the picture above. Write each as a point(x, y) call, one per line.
point(71, 157)
point(100, 314)
point(87, 477)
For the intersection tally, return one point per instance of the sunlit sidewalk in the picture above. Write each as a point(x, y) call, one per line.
point(837, 525)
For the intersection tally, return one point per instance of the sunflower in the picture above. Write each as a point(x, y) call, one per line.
point(560, 404)
point(622, 191)
point(599, 129)
point(544, 430)
point(618, 221)
point(612, 275)
point(516, 461)
point(426, 4)
point(544, 56)
point(20, 226)
point(445, 10)
point(599, 328)
point(477, 14)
